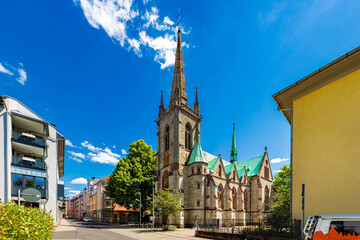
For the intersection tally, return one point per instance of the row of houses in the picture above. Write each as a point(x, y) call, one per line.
point(93, 203)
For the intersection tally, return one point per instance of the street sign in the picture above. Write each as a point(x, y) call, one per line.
point(159, 208)
point(31, 195)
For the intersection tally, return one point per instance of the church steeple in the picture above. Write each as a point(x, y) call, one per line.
point(233, 152)
point(178, 90)
point(161, 106)
point(196, 104)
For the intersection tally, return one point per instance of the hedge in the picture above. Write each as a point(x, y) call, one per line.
point(20, 222)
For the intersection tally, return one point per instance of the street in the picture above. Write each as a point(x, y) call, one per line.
point(75, 229)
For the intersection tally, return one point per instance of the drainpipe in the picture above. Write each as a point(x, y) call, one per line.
point(291, 154)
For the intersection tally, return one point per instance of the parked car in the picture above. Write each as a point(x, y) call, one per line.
point(87, 219)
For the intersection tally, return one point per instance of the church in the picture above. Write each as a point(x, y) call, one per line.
point(210, 187)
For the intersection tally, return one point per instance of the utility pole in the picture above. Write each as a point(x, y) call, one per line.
point(153, 218)
point(140, 209)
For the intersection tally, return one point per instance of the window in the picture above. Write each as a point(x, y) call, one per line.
point(17, 180)
point(267, 199)
point(233, 175)
point(29, 181)
point(245, 200)
point(221, 196)
point(266, 172)
point(233, 192)
point(344, 229)
point(167, 138)
point(199, 169)
point(244, 180)
point(219, 170)
point(40, 183)
point(166, 180)
point(192, 170)
point(188, 136)
point(198, 186)
point(198, 203)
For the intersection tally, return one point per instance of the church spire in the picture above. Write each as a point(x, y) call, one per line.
point(196, 104)
point(233, 152)
point(178, 90)
point(161, 106)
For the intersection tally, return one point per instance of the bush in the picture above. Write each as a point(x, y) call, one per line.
point(20, 222)
point(170, 228)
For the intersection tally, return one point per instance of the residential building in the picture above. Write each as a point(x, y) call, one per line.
point(32, 156)
point(210, 187)
point(324, 113)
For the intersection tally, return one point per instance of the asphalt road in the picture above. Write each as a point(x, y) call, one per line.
point(89, 231)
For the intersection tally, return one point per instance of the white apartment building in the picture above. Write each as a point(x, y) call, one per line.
point(31, 156)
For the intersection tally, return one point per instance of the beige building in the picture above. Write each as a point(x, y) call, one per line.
point(211, 188)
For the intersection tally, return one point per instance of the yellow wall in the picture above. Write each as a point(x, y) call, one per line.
point(326, 153)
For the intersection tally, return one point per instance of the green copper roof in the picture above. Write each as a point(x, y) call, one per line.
point(252, 166)
point(229, 168)
point(233, 151)
point(212, 164)
point(196, 154)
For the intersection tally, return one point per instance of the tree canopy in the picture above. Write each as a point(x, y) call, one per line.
point(168, 201)
point(133, 174)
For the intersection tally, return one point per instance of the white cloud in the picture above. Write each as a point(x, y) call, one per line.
point(168, 21)
point(120, 20)
point(77, 154)
point(68, 143)
point(4, 70)
point(123, 151)
point(67, 188)
point(277, 171)
point(76, 159)
point(79, 180)
point(146, 1)
point(105, 156)
point(74, 191)
point(279, 160)
point(18, 73)
point(89, 146)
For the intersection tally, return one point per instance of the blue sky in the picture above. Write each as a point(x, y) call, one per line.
point(96, 68)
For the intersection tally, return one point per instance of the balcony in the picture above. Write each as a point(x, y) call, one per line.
point(28, 138)
point(29, 162)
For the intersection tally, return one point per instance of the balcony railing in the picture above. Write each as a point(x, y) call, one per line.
point(29, 162)
point(14, 191)
point(28, 138)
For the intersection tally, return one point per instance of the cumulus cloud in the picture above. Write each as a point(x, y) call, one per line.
point(17, 72)
point(129, 27)
point(277, 171)
point(68, 143)
point(123, 151)
point(278, 160)
point(77, 154)
point(105, 156)
point(74, 191)
point(79, 180)
point(90, 147)
point(67, 188)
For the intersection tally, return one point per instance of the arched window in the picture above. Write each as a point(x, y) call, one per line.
point(166, 180)
point(188, 136)
point(234, 198)
point(267, 199)
point(221, 196)
point(167, 138)
point(219, 170)
point(245, 200)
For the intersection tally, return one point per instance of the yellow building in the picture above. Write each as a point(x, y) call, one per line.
point(326, 137)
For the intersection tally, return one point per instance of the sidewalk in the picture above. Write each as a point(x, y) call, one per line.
point(65, 230)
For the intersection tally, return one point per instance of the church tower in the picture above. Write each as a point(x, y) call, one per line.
point(178, 130)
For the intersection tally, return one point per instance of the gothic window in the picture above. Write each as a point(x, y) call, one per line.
point(199, 170)
point(187, 136)
point(198, 203)
point(233, 175)
point(166, 180)
point(221, 196)
point(266, 172)
point(245, 200)
point(167, 138)
point(267, 199)
point(198, 185)
point(233, 192)
point(219, 170)
point(192, 170)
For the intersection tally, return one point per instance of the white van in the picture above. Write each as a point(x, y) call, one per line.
point(333, 227)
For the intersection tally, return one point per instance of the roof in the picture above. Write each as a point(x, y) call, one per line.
point(105, 179)
point(252, 166)
point(325, 75)
point(229, 168)
point(212, 164)
point(196, 154)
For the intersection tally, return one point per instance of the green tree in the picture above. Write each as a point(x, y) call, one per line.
point(168, 202)
point(279, 217)
point(133, 174)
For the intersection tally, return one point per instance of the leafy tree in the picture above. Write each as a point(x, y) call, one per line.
point(279, 217)
point(168, 202)
point(133, 174)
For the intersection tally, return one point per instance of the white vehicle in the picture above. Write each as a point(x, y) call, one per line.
point(87, 219)
point(333, 227)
